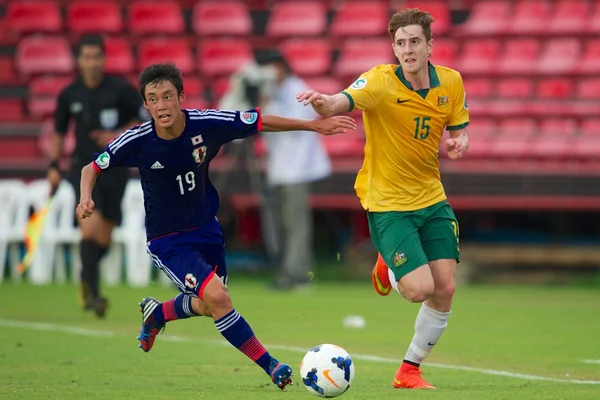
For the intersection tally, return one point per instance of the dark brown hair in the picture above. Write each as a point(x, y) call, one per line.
point(411, 16)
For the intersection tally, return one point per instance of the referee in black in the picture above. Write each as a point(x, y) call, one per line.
point(101, 106)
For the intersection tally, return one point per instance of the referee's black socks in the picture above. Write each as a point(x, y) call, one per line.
point(91, 254)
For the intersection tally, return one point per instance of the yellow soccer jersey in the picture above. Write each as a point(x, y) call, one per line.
point(403, 127)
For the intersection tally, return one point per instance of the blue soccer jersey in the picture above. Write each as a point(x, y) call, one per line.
point(178, 195)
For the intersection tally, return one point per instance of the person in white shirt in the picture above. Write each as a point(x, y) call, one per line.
point(294, 160)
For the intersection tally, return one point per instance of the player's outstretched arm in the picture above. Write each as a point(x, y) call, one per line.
point(325, 105)
point(86, 205)
point(327, 126)
point(458, 144)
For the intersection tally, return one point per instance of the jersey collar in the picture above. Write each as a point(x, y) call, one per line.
point(434, 80)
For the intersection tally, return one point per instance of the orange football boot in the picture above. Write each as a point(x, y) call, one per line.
point(380, 277)
point(409, 377)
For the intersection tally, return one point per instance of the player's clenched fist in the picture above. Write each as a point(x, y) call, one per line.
point(85, 208)
point(454, 148)
point(334, 125)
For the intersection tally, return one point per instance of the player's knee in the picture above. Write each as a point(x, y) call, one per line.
point(216, 297)
point(446, 290)
point(417, 294)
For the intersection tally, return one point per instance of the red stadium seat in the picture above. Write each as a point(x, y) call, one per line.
point(479, 56)
point(590, 64)
point(297, 18)
point(197, 102)
point(587, 145)
point(48, 85)
point(94, 17)
point(40, 54)
point(444, 52)
point(307, 56)
point(530, 17)
point(519, 56)
point(33, 16)
point(150, 17)
point(514, 137)
point(119, 59)
point(560, 56)
point(12, 110)
point(555, 138)
point(223, 56)
point(230, 17)
point(482, 133)
point(569, 17)
point(479, 88)
point(193, 86)
point(487, 18)
point(515, 88)
point(360, 18)
point(440, 11)
point(593, 23)
point(588, 89)
point(325, 84)
point(590, 127)
point(555, 89)
point(219, 87)
point(7, 71)
point(360, 55)
point(162, 49)
point(350, 144)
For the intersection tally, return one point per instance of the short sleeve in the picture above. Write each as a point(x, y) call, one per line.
point(229, 125)
point(62, 114)
point(460, 112)
point(367, 91)
point(121, 151)
point(131, 105)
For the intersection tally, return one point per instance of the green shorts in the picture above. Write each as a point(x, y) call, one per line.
point(409, 239)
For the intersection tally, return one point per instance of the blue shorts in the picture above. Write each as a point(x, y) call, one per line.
point(190, 259)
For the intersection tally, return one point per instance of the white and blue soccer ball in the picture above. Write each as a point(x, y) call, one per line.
point(327, 370)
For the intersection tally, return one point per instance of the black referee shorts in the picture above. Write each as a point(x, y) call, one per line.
point(108, 191)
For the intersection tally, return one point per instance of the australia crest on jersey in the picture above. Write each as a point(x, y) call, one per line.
point(199, 154)
point(443, 101)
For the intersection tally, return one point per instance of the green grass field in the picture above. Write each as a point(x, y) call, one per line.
point(497, 338)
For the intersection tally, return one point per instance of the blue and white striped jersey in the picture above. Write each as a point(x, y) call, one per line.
point(178, 194)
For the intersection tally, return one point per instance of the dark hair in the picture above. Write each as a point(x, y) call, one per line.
point(156, 73)
point(275, 57)
point(411, 16)
point(90, 40)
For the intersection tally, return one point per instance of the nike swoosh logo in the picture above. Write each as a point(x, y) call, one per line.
point(326, 375)
point(431, 344)
point(402, 101)
point(397, 382)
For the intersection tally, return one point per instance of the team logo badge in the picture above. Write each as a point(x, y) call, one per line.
point(190, 281)
point(103, 160)
point(359, 83)
point(109, 118)
point(443, 101)
point(199, 154)
point(249, 117)
point(399, 259)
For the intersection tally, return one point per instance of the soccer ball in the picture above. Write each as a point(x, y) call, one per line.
point(327, 370)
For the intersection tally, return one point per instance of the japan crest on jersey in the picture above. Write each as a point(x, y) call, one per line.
point(199, 154)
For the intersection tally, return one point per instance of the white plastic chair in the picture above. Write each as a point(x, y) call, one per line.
point(131, 236)
point(58, 229)
point(13, 220)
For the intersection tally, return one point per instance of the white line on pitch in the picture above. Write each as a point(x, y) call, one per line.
point(75, 330)
point(590, 361)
